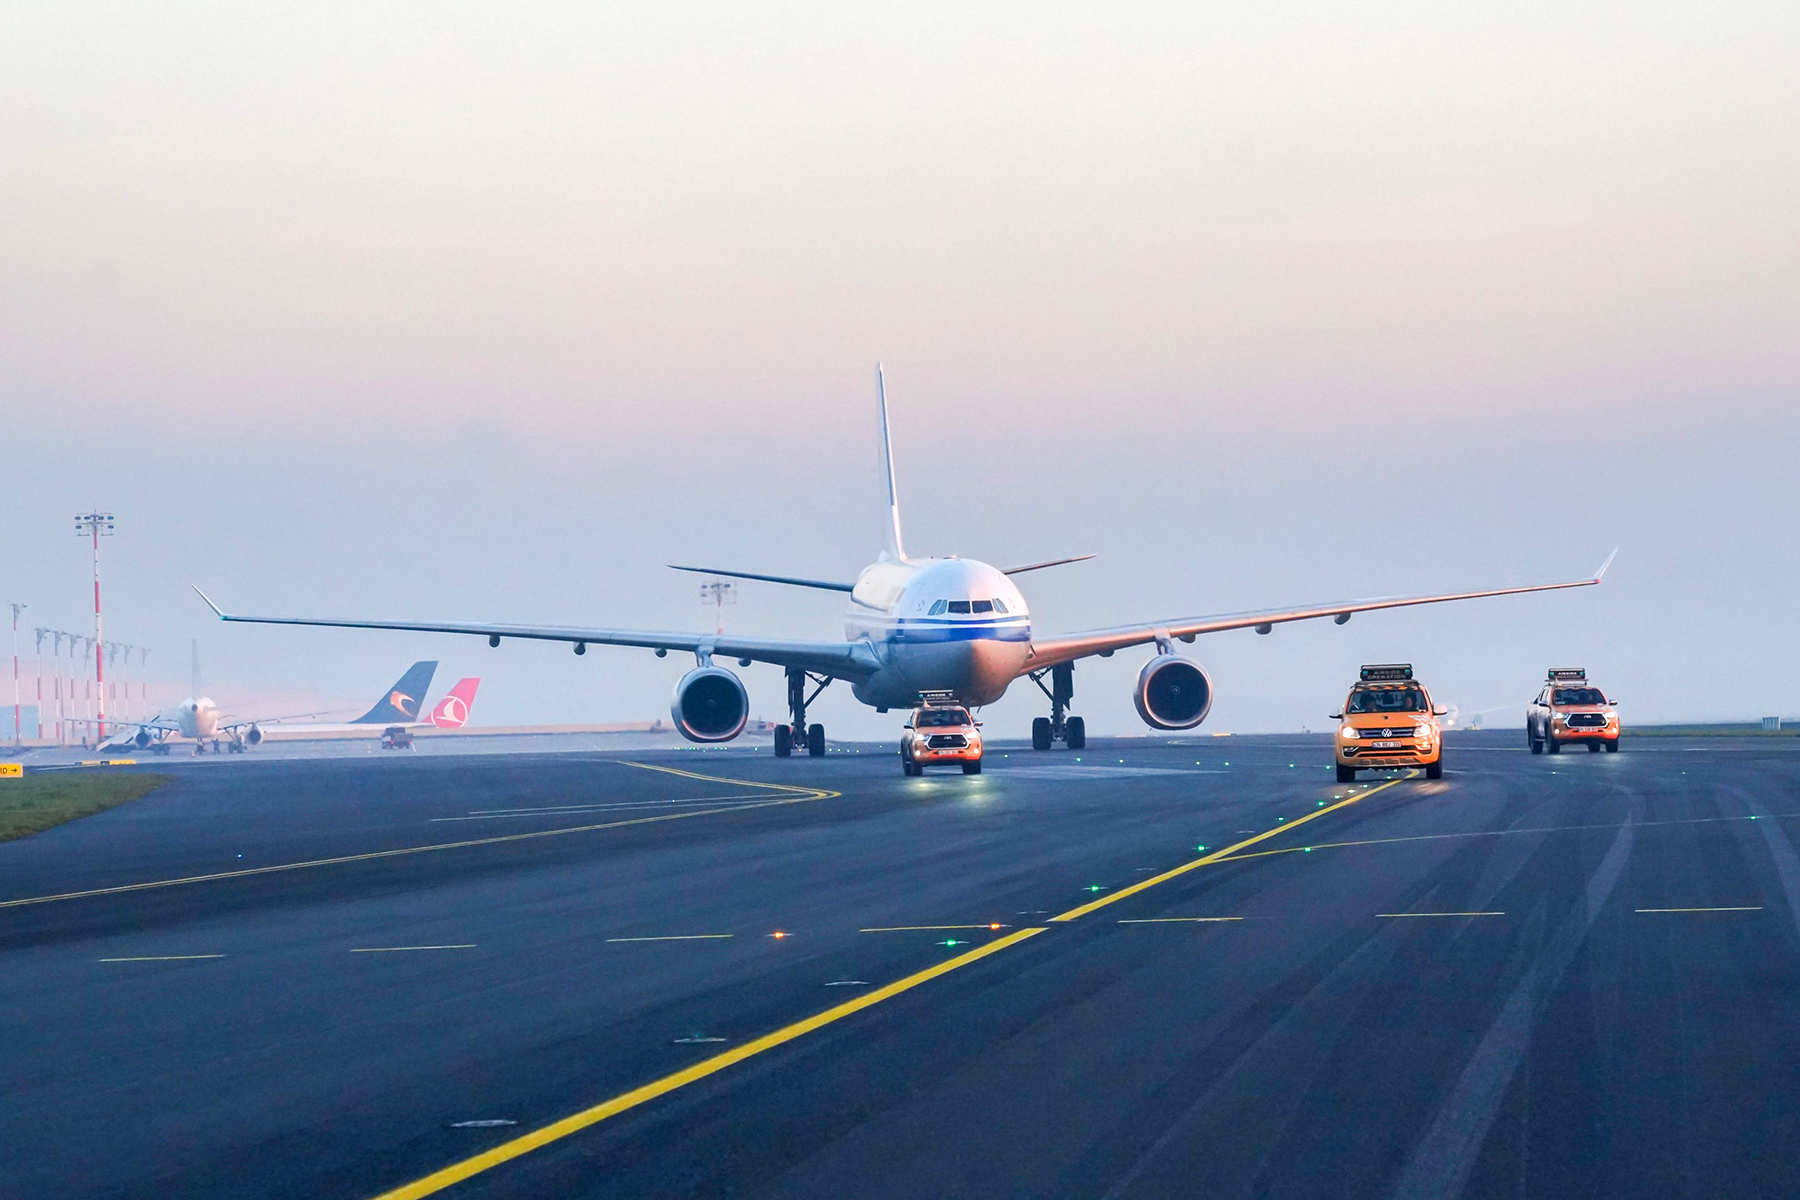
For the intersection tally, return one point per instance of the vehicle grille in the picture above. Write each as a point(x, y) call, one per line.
point(946, 741)
point(1585, 720)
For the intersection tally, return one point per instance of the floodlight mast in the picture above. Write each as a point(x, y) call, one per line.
point(17, 608)
point(95, 524)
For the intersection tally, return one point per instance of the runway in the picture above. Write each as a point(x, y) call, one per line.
point(1156, 968)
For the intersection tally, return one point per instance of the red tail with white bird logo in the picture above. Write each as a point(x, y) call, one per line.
point(452, 712)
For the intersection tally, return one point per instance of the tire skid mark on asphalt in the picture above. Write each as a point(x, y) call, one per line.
point(799, 795)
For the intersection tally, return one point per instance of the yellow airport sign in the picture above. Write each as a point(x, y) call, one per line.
point(12, 770)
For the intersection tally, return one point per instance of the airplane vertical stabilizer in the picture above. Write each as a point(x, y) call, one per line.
point(403, 701)
point(452, 712)
point(896, 545)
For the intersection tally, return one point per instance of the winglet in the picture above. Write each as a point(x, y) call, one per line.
point(217, 611)
point(1601, 573)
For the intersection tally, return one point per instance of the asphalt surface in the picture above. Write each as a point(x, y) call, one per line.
point(1281, 1021)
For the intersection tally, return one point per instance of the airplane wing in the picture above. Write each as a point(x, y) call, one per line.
point(854, 661)
point(1050, 651)
point(157, 722)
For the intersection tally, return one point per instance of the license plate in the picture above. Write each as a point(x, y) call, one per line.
point(1387, 745)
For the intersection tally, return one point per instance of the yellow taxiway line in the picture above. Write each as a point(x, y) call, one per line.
point(576, 1122)
point(589, 1117)
point(799, 796)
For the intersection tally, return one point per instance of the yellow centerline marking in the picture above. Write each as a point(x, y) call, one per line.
point(163, 958)
point(576, 1122)
point(1172, 920)
point(1729, 908)
point(588, 1117)
point(1442, 914)
point(1220, 855)
point(397, 949)
point(913, 928)
point(802, 795)
point(676, 937)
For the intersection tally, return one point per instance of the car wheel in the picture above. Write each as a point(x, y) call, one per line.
point(972, 768)
point(1075, 733)
point(1346, 774)
point(1532, 740)
point(1551, 745)
point(1435, 770)
point(1593, 747)
point(1612, 745)
point(1040, 733)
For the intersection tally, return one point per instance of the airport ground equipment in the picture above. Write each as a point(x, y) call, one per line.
point(917, 625)
point(1568, 710)
point(1388, 720)
point(940, 731)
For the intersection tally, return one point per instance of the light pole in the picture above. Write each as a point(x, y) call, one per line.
point(95, 524)
point(56, 641)
point(718, 593)
point(40, 631)
point(17, 609)
point(144, 684)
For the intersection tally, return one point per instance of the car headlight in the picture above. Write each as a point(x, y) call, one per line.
point(1349, 733)
point(1423, 731)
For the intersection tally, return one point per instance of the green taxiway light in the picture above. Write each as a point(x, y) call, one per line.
point(1093, 887)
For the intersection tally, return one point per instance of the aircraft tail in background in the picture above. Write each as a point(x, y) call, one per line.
point(404, 700)
point(452, 712)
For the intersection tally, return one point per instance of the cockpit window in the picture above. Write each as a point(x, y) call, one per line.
point(961, 606)
point(999, 607)
point(937, 608)
point(981, 605)
point(937, 718)
point(1386, 700)
point(1579, 696)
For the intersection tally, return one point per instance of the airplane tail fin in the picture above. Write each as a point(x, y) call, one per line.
point(402, 701)
point(452, 712)
point(896, 545)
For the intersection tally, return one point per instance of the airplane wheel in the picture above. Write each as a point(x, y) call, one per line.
point(1612, 746)
point(1435, 770)
point(815, 741)
point(972, 768)
point(1346, 774)
point(784, 741)
point(1075, 733)
point(1040, 733)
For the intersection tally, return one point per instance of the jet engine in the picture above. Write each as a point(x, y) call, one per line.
point(253, 735)
point(143, 738)
point(710, 705)
point(1173, 692)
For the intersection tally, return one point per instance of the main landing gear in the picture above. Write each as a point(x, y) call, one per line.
point(799, 733)
point(1071, 731)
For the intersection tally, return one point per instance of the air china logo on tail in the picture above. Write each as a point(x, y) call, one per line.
point(403, 702)
point(452, 712)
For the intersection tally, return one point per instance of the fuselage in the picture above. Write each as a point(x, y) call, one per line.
point(938, 625)
point(197, 718)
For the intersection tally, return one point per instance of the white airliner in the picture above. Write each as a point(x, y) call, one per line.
point(924, 627)
point(200, 720)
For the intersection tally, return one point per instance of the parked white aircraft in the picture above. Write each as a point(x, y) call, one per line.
point(201, 721)
point(951, 627)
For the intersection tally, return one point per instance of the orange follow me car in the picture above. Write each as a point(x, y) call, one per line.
point(1388, 721)
point(941, 732)
point(1568, 710)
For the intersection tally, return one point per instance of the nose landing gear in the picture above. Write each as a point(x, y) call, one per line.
point(799, 733)
point(1071, 731)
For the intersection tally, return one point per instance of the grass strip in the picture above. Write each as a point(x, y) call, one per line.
point(40, 801)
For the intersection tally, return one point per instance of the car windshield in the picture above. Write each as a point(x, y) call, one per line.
point(936, 718)
point(1387, 700)
point(1579, 696)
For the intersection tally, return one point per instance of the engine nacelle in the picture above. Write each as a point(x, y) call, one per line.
point(710, 705)
point(253, 735)
point(1173, 692)
point(143, 738)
